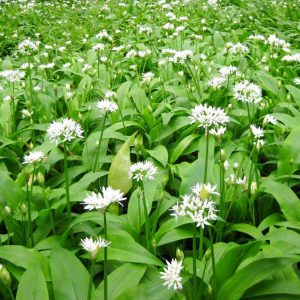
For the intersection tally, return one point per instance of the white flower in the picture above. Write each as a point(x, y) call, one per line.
point(198, 205)
point(98, 46)
point(237, 48)
point(102, 200)
point(142, 170)
point(213, 3)
point(107, 106)
point(146, 29)
point(67, 65)
point(228, 71)
point(147, 77)
point(110, 94)
point(34, 157)
point(216, 82)
point(218, 132)
point(246, 91)
point(93, 246)
point(292, 58)
point(208, 117)
point(181, 56)
point(256, 131)
point(28, 46)
point(171, 274)
point(64, 130)
point(274, 41)
point(296, 81)
point(269, 119)
point(257, 37)
point(12, 75)
point(259, 143)
point(241, 181)
point(26, 113)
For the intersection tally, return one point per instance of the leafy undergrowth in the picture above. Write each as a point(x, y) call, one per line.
point(149, 149)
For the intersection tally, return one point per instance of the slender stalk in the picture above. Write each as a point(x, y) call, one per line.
point(99, 144)
point(98, 64)
point(212, 260)
point(12, 297)
point(29, 237)
point(201, 242)
point(105, 258)
point(91, 281)
point(206, 156)
point(147, 224)
point(194, 263)
point(67, 188)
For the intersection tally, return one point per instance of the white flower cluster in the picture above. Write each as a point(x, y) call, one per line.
point(107, 106)
point(198, 206)
point(181, 56)
point(274, 41)
point(142, 170)
point(246, 91)
point(171, 274)
point(237, 48)
point(292, 58)
point(147, 77)
point(104, 35)
point(257, 37)
point(93, 246)
point(297, 81)
point(209, 117)
point(102, 200)
point(269, 119)
point(34, 157)
point(64, 130)
point(225, 72)
point(145, 29)
point(27, 47)
point(12, 75)
point(98, 46)
point(258, 135)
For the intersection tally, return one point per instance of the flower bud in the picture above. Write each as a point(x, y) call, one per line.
point(253, 187)
point(23, 209)
point(207, 254)
point(235, 166)
point(222, 155)
point(41, 178)
point(165, 179)
point(138, 143)
point(7, 211)
point(179, 254)
point(4, 276)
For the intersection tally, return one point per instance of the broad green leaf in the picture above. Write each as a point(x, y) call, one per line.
point(181, 146)
point(160, 153)
point(247, 229)
point(33, 284)
point(295, 92)
point(286, 198)
point(121, 279)
point(118, 176)
point(268, 82)
point(139, 98)
point(274, 288)
point(70, 279)
point(289, 156)
point(253, 273)
point(20, 256)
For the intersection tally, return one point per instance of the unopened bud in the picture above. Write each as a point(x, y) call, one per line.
point(253, 187)
point(179, 254)
point(41, 178)
point(4, 276)
point(23, 209)
point(7, 211)
point(207, 254)
point(138, 143)
point(165, 179)
point(222, 155)
point(235, 166)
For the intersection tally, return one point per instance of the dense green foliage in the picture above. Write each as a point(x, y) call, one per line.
point(157, 60)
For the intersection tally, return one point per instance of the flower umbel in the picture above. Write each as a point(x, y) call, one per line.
point(141, 170)
point(208, 117)
point(93, 246)
point(34, 157)
point(171, 274)
point(102, 200)
point(65, 130)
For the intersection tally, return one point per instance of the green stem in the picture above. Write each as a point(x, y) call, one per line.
point(206, 156)
point(194, 263)
point(67, 188)
point(201, 243)
point(105, 258)
point(213, 260)
point(91, 281)
point(99, 144)
point(147, 224)
point(11, 293)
